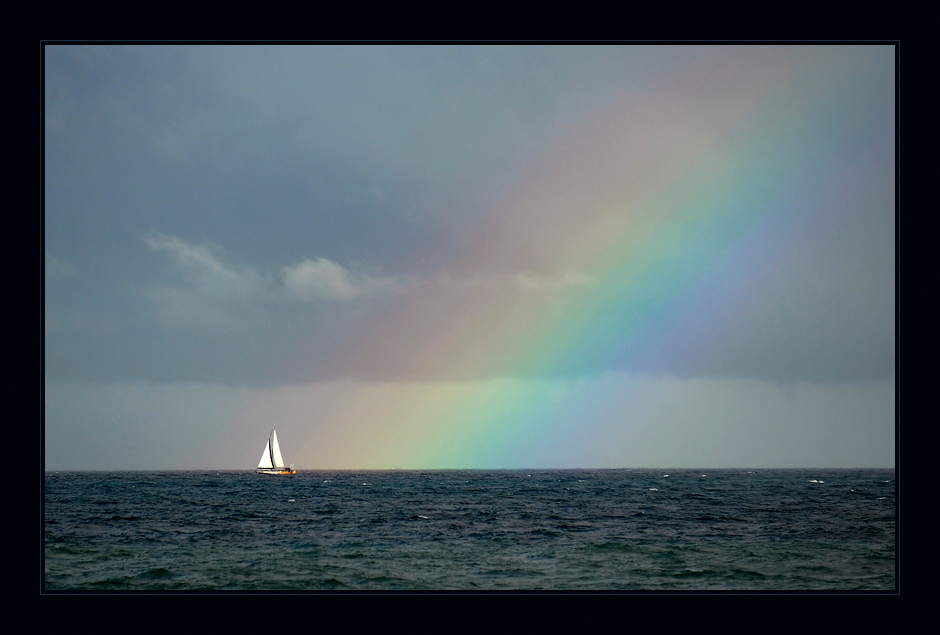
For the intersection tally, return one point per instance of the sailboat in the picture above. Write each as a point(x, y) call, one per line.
point(271, 460)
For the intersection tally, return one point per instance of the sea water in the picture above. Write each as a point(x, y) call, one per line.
point(474, 530)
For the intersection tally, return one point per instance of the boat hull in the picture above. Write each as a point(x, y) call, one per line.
point(282, 470)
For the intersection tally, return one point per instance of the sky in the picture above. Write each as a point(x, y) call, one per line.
point(448, 257)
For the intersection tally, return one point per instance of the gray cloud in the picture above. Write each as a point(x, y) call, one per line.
point(343, 181)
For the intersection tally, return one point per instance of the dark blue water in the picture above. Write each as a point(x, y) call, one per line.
point(745, 530)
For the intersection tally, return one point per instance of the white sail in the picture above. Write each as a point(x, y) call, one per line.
point(271, 460)
point(276, 450)
point(265, 461)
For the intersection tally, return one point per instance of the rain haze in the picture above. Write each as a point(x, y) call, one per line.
point(431, 257)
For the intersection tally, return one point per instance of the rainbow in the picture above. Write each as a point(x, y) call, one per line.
point(641, 236)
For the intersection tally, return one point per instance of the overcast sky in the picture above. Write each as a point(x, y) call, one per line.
point(469, 256)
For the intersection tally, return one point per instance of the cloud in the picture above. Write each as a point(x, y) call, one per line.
point(526, 280)
point(212, 294)
point(313, 280)
point(205, 271)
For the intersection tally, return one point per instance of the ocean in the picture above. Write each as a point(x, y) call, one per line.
point(591, 530)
